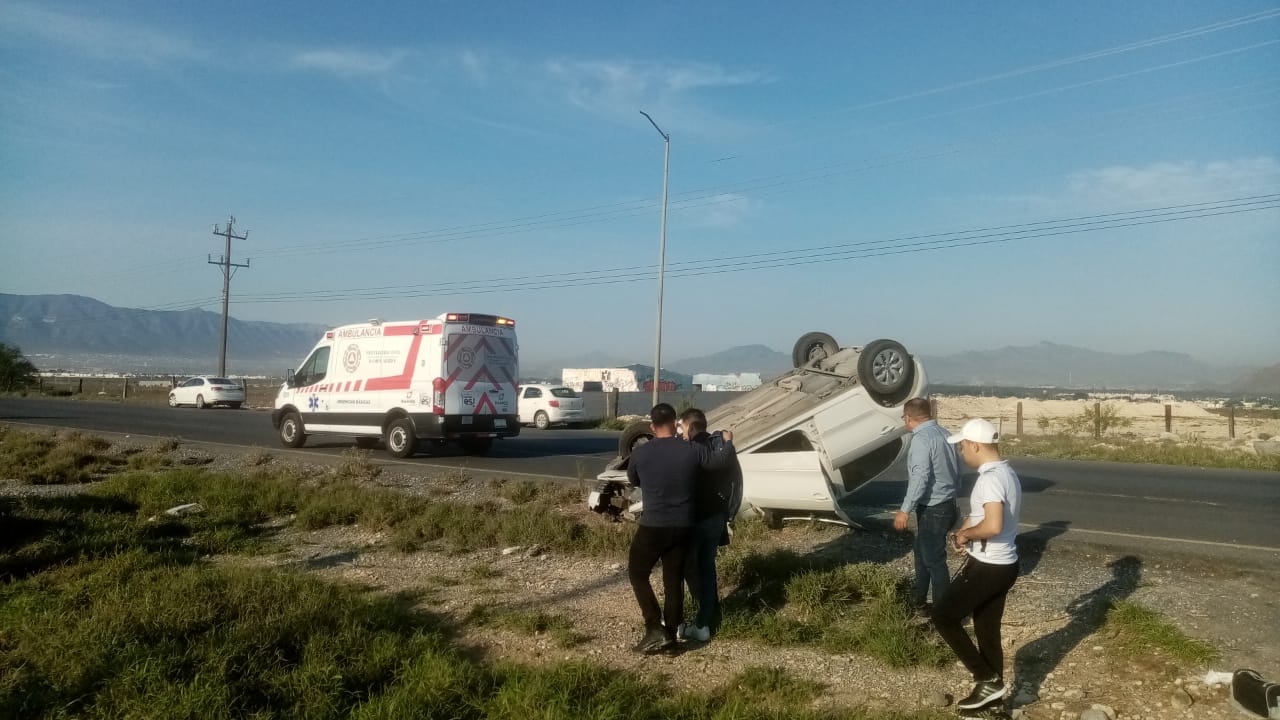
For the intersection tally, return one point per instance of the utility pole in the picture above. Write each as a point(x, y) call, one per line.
point(662, 256)
point(228, 269)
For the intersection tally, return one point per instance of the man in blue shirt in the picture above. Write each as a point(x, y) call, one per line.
point(934, 477)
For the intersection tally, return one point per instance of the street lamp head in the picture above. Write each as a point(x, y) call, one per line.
point(655, 126)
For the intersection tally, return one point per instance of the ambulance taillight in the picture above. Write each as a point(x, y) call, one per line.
point(437, 401)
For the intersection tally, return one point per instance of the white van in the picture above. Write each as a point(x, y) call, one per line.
point(451, 378)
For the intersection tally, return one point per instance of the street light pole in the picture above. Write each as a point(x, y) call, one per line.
point(662, 256)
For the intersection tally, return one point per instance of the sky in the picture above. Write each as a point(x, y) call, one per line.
point(956, 176)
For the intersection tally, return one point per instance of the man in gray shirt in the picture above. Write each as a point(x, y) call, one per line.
point(934, 478)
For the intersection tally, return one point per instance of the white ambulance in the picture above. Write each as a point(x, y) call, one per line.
point(449, 379)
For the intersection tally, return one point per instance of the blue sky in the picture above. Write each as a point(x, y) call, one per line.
point(403, 159)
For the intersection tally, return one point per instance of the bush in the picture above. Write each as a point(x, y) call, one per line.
point(16, 372)
point(1103, 417)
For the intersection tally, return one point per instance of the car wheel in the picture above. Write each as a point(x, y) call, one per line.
point(813, 346)
point(885, 369)
point(636, 434)
point(401, 441)
point(173, 400)
point(291, 431)
point(200, 402)
point(366, 442)
point(541, 421)
point(475, 446)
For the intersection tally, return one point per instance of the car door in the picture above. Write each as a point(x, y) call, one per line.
point(186, 392)
point(530, 402)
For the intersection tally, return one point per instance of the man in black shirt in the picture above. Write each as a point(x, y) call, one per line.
point(666, 469)
point(716, 499)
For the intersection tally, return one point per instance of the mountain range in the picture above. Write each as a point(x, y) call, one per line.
point(72, 332)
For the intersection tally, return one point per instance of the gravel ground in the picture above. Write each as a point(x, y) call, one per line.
point(1061, 665)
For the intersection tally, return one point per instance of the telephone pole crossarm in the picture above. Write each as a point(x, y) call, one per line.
point(225, 264)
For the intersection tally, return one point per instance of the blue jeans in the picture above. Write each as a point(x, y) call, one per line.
point(700, 568)
point(933, 522)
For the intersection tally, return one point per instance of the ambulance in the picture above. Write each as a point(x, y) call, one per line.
point(408, 384)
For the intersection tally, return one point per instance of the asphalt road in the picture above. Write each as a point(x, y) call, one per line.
point(1109, 503)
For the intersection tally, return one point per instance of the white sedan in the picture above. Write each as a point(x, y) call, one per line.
point(547, 405)
point(205, 391)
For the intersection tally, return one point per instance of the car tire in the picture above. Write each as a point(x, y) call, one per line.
point(476, 446)
point(541, 421)
point(200, 402)
point(813, 346)
point(292, 432)
point(401, 439)
point(173, 400)
point(366, 442)
point(886, 370)
point(636, 434)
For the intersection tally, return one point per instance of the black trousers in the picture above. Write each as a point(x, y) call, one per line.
point(978, 589)
point(648, 546)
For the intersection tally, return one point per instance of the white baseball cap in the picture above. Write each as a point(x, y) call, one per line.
point(976, 430)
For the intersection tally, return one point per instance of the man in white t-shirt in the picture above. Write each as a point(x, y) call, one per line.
point(980, 587)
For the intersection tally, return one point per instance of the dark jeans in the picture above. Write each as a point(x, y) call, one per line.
point(932, 525)
point(648, 546)
point(979, 588)
point(700, 568)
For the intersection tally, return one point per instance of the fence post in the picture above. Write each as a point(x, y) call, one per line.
point(611, 403)
point(933, 407)
point(80, 387)
point(1168, 418)
point(1231, 422)
point(1097, 420)
point(1019, 418)
point(40, 384)
point(124, 391)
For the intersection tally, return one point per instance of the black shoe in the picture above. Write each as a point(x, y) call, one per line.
point(984, 693)
point(656, 640)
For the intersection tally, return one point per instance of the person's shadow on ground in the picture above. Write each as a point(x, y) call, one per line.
point(1041, 656)
point(1032, 545)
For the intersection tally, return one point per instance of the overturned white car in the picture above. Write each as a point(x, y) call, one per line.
point(805, 440)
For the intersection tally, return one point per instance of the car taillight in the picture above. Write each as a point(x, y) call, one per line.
point(215, 387)
point(554, 403)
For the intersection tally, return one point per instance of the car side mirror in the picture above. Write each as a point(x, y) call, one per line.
point(288, 377)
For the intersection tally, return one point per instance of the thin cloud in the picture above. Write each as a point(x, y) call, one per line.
point(347, 63)
point(99, 38)
point(1159, 182)
point(616, 89)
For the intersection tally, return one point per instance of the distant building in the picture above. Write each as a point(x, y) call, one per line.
point(603, 379)
point(727, 383)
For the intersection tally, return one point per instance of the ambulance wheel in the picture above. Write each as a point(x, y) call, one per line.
point(813, 346)
point(173, 400)
point(401, 441)
point(475, 446)
point(366, 443)
point(541, 421)
point(885, 369)
point(291, 432)
point(200, 403)
point(636, 434)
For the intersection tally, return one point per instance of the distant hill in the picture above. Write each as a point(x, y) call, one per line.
point(1066, 366)
point(79, 333)
point(745, 358)
point(1264, 381)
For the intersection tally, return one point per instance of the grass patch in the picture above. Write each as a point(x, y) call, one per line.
point(1139, 630)
point(65, 457)
point(558, 627)
point(773, 687)
point(782, 598)
point(1164, 452)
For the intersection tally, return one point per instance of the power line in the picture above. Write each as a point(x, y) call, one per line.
point(804, 256)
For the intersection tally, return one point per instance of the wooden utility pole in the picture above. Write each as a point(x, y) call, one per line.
point(228, 270)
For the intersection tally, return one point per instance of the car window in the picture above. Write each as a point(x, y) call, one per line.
point(221, 381)
point(564, 392)
point(314, 369)
point(533, 392)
